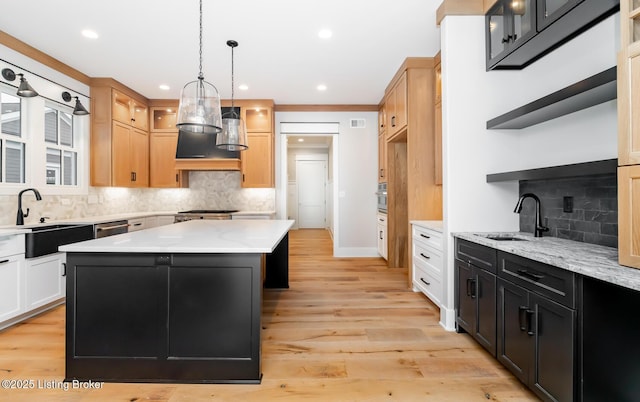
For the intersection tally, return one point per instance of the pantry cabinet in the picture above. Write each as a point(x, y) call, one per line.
point(119, 136)
point(629, 134)
point(396, 107)
point(437, 121)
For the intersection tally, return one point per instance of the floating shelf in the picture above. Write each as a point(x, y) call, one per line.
point(606, 166)
point(589, 92)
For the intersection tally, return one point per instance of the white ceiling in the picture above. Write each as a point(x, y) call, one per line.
point(145, 43)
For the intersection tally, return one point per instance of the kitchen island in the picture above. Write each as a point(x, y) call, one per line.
point(177, 303)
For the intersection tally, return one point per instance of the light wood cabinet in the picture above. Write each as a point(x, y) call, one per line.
point(396, 107)
point(382, 158)
point(163, 141)
point(257, 162)
point(437, 121)
point(119, 135)
point(629, 134)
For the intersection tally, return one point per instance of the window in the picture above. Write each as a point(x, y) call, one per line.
point(62, 155)
point(12, 143)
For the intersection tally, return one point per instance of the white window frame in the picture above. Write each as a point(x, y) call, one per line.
point(24, 139)
point(32, 128)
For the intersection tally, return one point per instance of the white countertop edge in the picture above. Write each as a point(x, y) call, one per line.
point(433, 225)
point(196, 236)
point(13, 231)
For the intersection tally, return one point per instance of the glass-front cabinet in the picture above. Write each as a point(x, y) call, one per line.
point(509, 24)
point(551, 10)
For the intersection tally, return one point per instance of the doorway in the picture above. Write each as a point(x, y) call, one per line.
point(311, 184)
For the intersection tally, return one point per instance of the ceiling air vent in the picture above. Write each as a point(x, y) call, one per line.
point(357, 123)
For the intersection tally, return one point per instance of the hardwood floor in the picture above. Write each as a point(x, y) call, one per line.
point(348, 329)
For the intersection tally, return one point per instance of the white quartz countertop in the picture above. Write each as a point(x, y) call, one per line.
point(13, 231)
point(196, 236)
point(433, 225)
point(587, 259)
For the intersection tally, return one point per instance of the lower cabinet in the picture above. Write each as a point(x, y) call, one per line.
point(475, 295)
point(426, 261)
point(45, 280)
point(382, 235)
point(11, 289)
point(536, 341)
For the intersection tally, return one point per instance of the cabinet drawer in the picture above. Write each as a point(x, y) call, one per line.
point(428, 284)
point(555, 283)
point(427, 236)
point(11, 245)
point(429, 257)
point(476, 254)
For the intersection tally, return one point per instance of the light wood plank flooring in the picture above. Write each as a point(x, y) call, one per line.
point(347, 330)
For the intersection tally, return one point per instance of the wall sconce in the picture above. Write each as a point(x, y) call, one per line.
point(78, 110)
point(24, 90)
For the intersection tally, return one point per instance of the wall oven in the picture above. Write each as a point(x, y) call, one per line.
point(382, 197)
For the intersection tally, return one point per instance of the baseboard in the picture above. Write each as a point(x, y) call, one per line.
point(448, 319)
point(24, 316)
point(356, 252)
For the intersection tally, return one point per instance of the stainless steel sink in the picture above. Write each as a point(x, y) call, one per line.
point(44, 240)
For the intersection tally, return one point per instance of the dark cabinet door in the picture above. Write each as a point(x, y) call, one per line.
point(515, 329)
point(508, 24)
point(466, 294)
point(485, 331)
point(551, 10)
point(554, 370)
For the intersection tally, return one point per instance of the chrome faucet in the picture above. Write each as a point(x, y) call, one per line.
point(22, 215)
point(539, 228)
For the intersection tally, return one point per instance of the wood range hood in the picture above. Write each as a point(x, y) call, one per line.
point(208, 164)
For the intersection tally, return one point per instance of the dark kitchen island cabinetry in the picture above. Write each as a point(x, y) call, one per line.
point(190, 313)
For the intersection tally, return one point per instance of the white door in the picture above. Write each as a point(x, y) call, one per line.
point(311, 180)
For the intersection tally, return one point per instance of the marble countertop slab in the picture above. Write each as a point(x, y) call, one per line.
point(195, 236)
point(13, 231)
point(587, 259)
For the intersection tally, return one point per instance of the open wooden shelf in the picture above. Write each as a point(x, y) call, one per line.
point(589, 92)
point(606, 166)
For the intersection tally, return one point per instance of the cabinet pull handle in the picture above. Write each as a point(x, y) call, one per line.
point(393, 121)
point(474, 284)
point(64, 269)
point(515, 37)
point(471, 291)
point(3, 261)
point(530, 275)
point(529, 314)
point(425, 256)
point(425, 236)
point(425, 282)
point(177, 177)
point(381, 175)
point(522, 319)
point(507, 39)
point(381, 235)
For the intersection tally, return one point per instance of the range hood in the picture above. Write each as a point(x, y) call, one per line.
point(196, 151)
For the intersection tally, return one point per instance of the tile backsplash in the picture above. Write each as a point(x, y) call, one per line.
point(595, 208)
point(207, 190)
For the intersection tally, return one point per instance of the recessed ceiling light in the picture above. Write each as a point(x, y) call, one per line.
point(88, 33)
point(164, 87)
point(325, 33)
point(243, 87)
point(321, 87)
point(300, 139)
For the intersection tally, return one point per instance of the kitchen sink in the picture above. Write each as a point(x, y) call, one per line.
point(44, 240)
point(504, 237)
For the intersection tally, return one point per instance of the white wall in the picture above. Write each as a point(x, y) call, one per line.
point(355, 165)
point(471, 96)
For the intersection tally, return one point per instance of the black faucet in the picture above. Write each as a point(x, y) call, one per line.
point(22, 215)
point(539, 228)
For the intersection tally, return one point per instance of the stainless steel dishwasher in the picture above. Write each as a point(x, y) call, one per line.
point(110, 228)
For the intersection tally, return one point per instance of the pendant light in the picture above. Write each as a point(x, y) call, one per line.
point(234, 134)
point(199, 108)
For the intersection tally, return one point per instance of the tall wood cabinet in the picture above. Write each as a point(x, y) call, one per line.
point(412, 193)
point(163, 140)
point(119, 135)
point(382, 144)
point(437, 120)
point(629, 134)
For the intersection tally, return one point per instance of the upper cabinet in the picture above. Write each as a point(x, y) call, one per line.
point(520, 32)
point(119, 136)
point(163, 141)
point(396, 107)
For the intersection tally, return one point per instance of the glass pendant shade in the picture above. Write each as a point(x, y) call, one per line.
point(233, 136)
point(199, 110)
point(25, 90)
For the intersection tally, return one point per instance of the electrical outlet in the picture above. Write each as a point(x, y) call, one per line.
point(567, 204)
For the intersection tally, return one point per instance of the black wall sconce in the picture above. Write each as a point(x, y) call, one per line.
point(78, 109)
point(24, 90)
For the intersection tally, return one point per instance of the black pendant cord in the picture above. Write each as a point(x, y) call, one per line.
point(233, 44)
point(200, 76)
